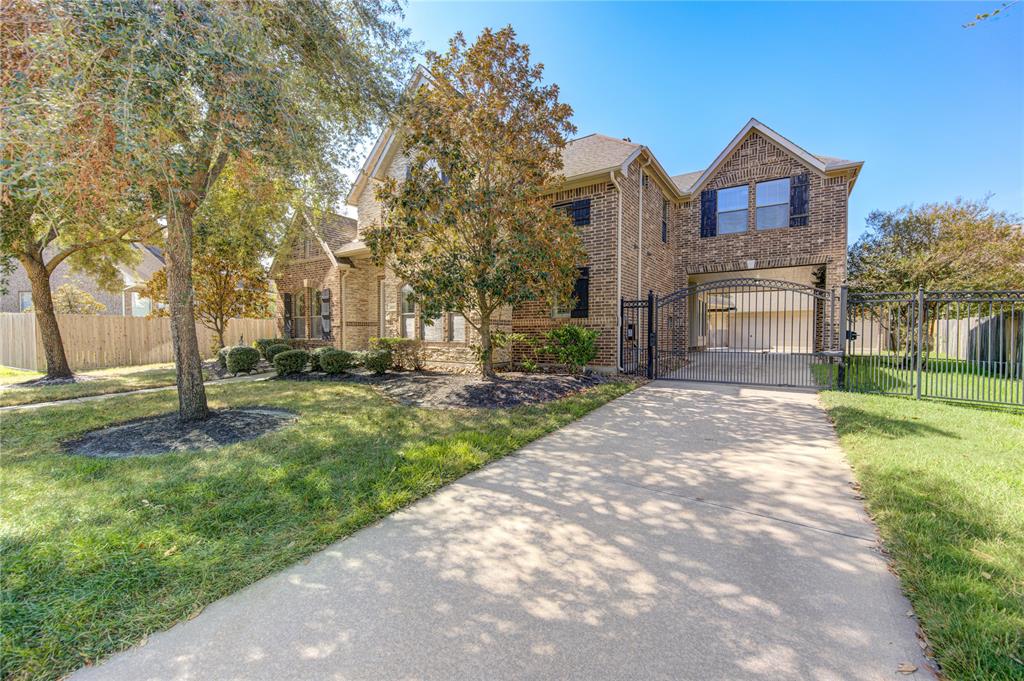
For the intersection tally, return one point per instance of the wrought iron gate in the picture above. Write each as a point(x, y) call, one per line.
point(751, 331)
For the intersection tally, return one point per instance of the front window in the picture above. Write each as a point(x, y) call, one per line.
point(732, 209)
point(432, 330)
point(24, 300)
point(773, 204)
point(407, 309)
point(141, 306)
point(457, 328)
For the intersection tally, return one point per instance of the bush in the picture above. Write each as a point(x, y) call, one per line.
point(377, 361)
point(573, 346)
point(335, 361)
point(290, 361)
point(241, 358)
point(264, 344)
point(273, 350)
point(222, 357)
point(406, 353)
point(314, 357)
point(359, 358)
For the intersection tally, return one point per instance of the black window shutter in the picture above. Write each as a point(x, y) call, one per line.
point(799, 200)
point(287, 315)
point(325, 314)
point(709, 212)
point(581, 292)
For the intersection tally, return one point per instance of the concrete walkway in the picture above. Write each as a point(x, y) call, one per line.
point(141, 391)
point(680, 532)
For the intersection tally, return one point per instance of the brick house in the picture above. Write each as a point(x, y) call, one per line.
point(764, 208)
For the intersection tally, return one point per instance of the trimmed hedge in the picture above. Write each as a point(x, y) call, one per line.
point(406, 353)
point(263, 344)
point(377, 361)
point(335, 362)
point(290, 361)
point(314, 357)
point(241, 358)
point(273, 350)
point(222, 357)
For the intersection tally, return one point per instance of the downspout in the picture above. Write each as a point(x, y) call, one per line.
point(343, 307)
point(618, 274)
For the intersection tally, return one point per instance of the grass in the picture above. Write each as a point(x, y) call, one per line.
point(945, 484)
point(99, 553)
point(103, 381)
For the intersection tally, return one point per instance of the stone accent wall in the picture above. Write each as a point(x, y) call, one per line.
point(821, 242)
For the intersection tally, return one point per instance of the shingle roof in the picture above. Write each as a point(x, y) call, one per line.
point(686, 180)
point(594, 153)
point(833, 162)
point(337, 230)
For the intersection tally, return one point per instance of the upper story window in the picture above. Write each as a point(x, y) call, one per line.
point(407, 310)
point(732, 209)
point(773, 204)
point(578, 210)
point(664, 221)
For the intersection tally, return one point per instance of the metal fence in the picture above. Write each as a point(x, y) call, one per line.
point(965, 346)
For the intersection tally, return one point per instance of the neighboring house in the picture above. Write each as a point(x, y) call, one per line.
point(124, 300)
point(764, 208)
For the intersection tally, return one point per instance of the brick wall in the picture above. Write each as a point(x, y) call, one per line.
point(821, 242)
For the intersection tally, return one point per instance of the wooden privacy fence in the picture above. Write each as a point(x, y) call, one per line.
point(101, 341)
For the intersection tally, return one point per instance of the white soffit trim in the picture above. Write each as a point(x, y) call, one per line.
point(754, 124)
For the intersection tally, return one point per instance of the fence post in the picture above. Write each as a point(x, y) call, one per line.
point(920, 338)
point(652, 339)
point(844, 292)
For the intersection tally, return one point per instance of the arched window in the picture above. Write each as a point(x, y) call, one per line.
point(407, 310)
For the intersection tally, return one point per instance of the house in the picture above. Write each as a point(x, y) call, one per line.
point(765, 208)
point(122, 300)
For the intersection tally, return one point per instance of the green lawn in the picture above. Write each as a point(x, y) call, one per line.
point(945, 483)
point(103, 381)
point(99, 553)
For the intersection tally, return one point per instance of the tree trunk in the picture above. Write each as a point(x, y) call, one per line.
point(42, 302)
point(486, 347)
point(188, 362)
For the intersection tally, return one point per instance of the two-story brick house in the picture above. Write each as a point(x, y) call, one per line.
point(764, 208)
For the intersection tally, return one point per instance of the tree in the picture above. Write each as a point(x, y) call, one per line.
point(959, 245)
point(69, 299)
point(237, 230)
point(295, 85)
point(65, 187)
point(471, 228)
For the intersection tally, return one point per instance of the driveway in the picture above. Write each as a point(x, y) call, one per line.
point(680, 532)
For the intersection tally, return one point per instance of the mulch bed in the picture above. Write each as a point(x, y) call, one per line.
point(160, 434)
point(43, 382)
point(461, 391)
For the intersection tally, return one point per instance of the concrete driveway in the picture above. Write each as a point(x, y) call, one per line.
point(680, 532)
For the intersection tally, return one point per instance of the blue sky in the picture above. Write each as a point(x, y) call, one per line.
point(936, 111)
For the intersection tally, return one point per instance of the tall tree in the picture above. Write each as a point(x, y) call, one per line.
point(237, 229)
point(295, 85)
point(959, 245)
point(66, 193)
point(471, 227)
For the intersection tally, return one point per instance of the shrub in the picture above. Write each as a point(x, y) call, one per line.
point(335, 361)
point(406, 353)
point(573, 346)
point(222, 358)
point(377, 361)
point(264, 344)
point(519, 345)
point(290, 361)
point(241, 358)
point(314, 357)
point(275, 349)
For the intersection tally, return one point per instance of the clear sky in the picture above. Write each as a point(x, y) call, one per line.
point(936, 111)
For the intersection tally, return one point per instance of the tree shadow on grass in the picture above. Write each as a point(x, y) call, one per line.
point(852, 420)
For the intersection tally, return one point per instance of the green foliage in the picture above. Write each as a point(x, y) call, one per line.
point(378, 361)
point(519, 344)
point(242, 358)
point(222, 357)
point(572, 345)
point(314, 357)
point(275, 349)
point(263, 344)
point(471, 227)
point(69, 299)
point(941, 246)
point(290, 362)
point(335, 362)
point(406, 353)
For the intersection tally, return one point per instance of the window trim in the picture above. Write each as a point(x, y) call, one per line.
point(403, 293)
point(785, 202)
point(719, 212)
